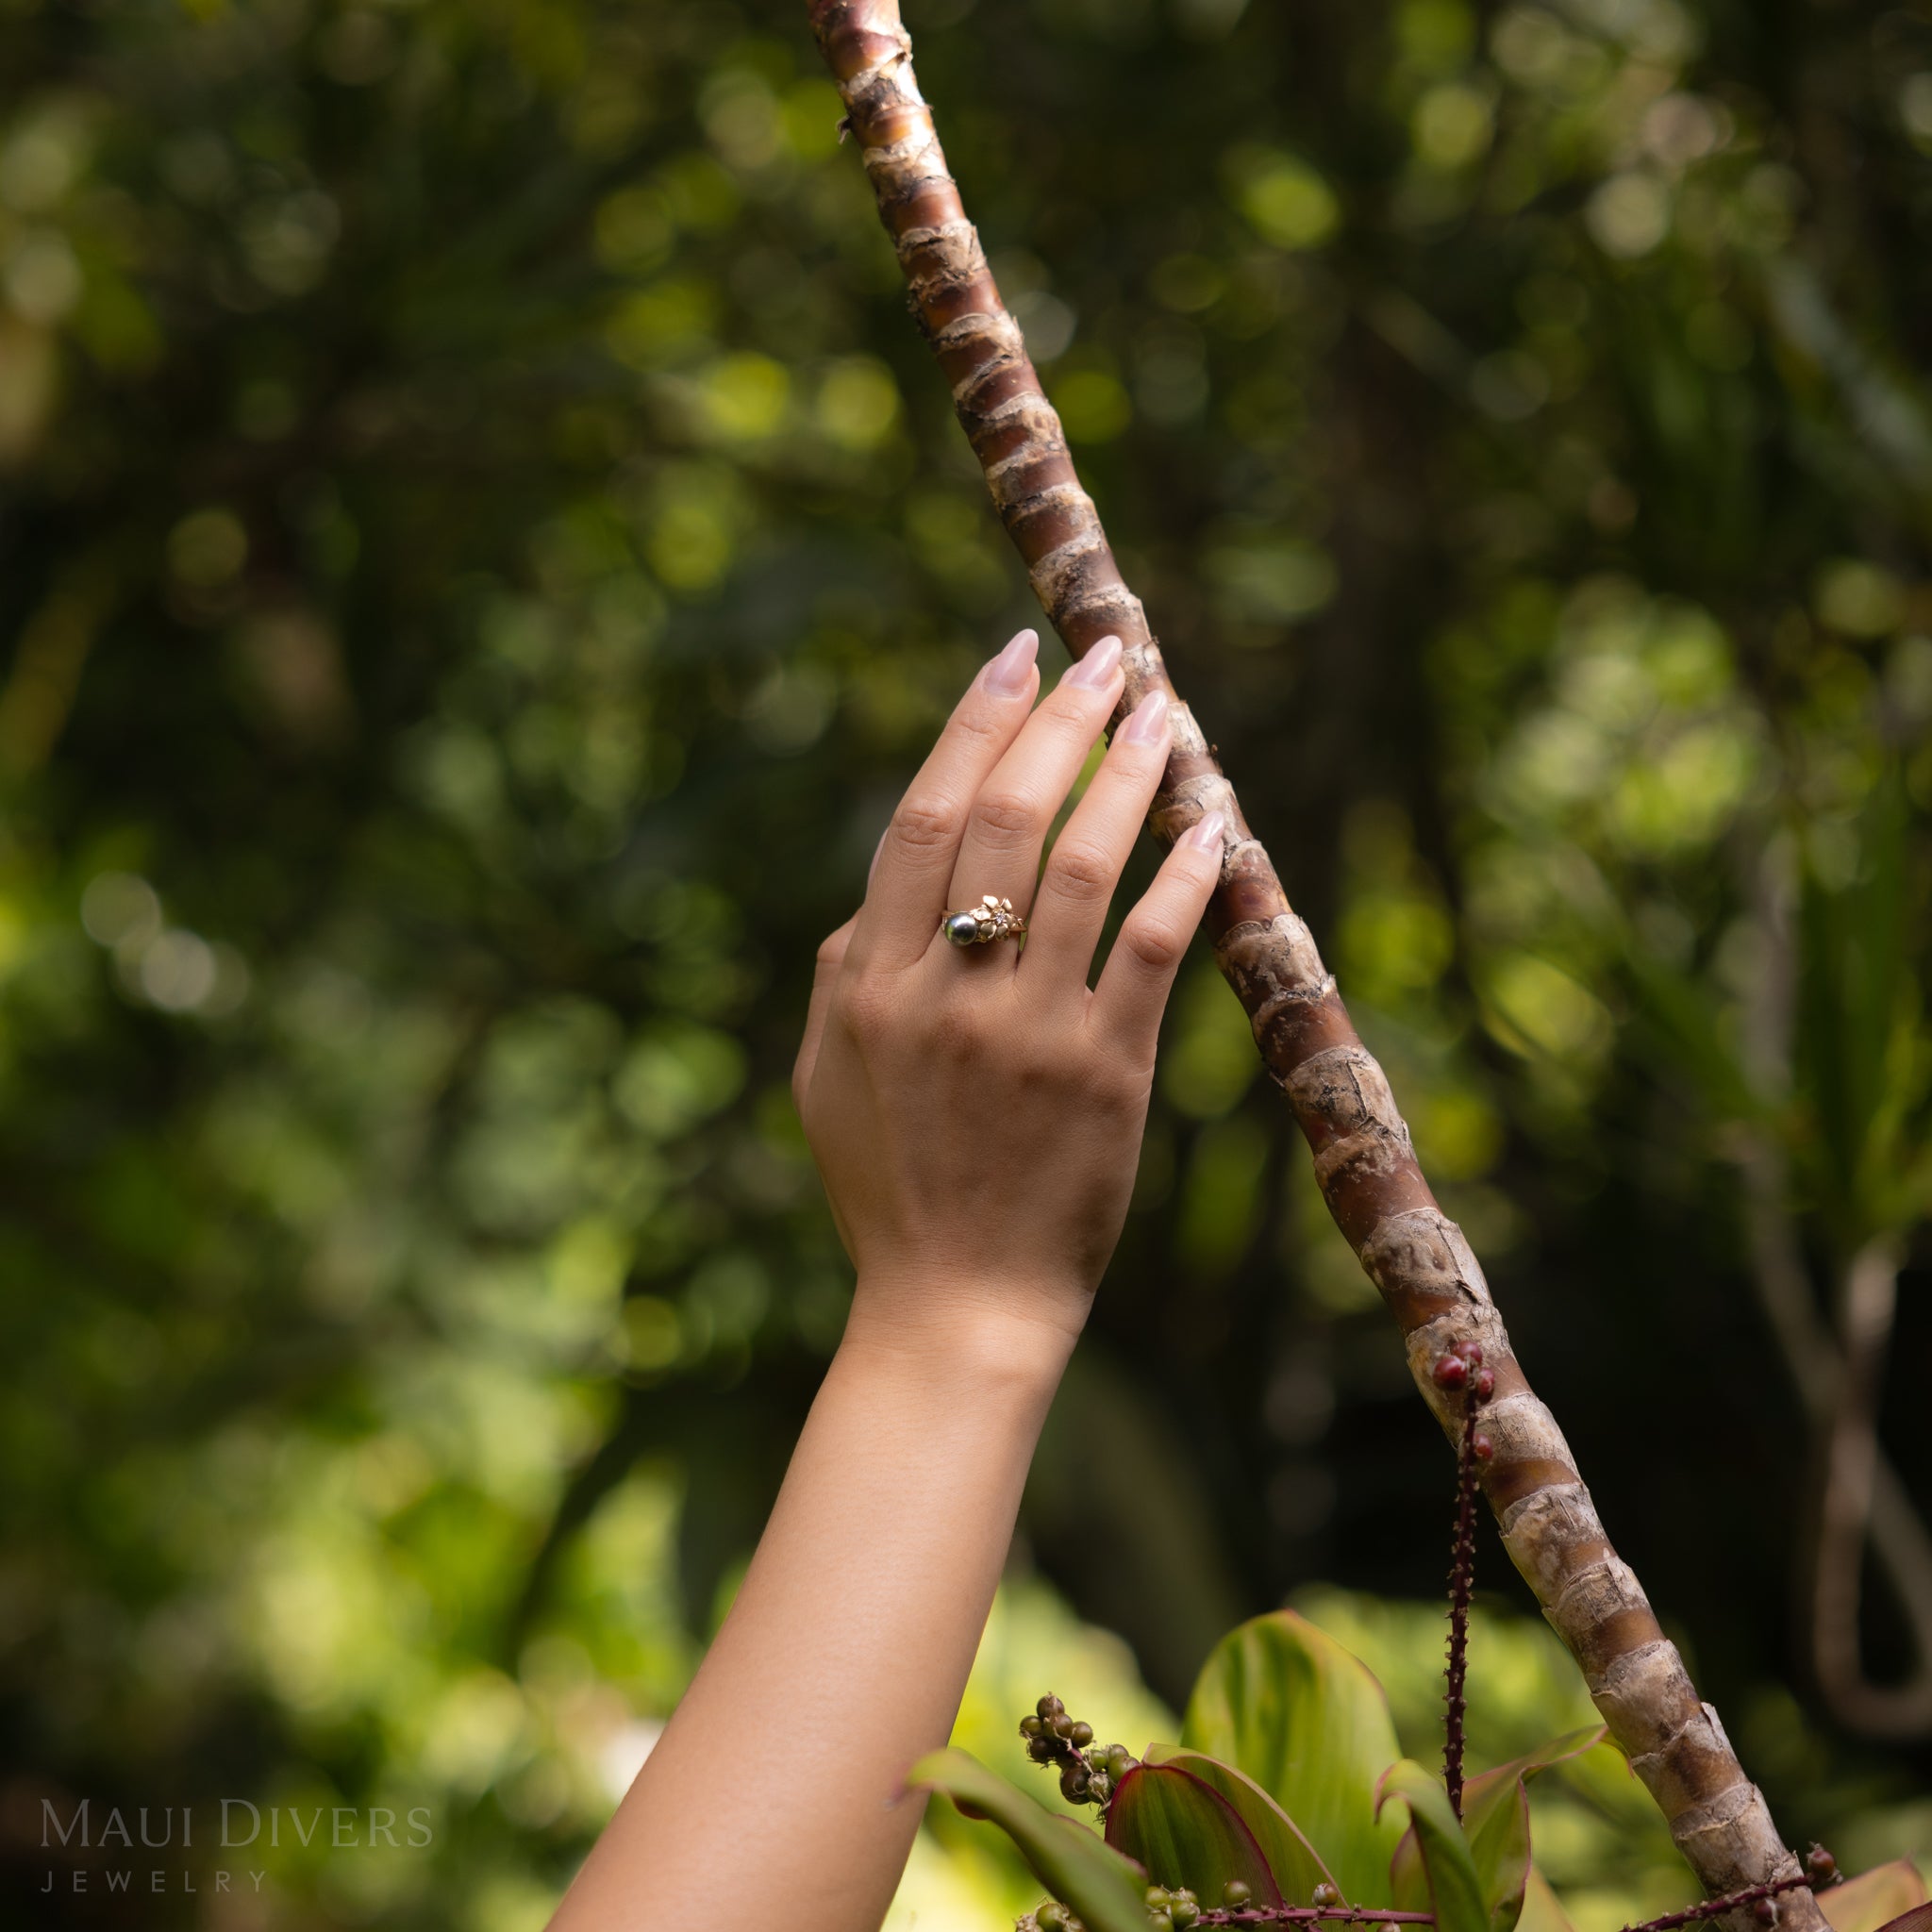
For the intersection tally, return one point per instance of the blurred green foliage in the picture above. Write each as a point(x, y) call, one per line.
point(482, 549)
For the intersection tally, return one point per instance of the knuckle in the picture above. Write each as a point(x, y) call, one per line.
point(864, 1005)
point(1081, 873)
point(926, 821)
point(1009, 814)
point(1072, 707)
point(1154, 941)
point(955, 1034)
point(980, 724)
point(831, 954)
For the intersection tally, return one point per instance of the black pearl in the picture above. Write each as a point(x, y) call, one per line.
point(962, 929)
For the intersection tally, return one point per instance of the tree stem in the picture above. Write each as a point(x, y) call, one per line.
point(1364, 1162)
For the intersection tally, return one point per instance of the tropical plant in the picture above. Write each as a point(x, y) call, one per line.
point(1288, 1801)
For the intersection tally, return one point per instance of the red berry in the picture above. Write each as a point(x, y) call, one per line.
point(1481, 1447)
point(1483, 1384)
point(1450, 1372)
point(1471, 1352)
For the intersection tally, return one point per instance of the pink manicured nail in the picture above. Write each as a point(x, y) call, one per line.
point(1094, 672)
point(1149, 720)
point(876, 850)
point(1205, 833)
point(1011, 668)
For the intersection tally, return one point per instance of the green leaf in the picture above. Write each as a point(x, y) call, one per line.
point(1541, 1909)
point(1885, 1893)
point(1432, 1869)
point(1186, 1833)
point(1307, 1720)
point(1495, 1821)
point(1296, 1864)
point(1068, 1857)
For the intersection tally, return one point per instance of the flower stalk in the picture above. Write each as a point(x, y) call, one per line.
point(1463, 1371)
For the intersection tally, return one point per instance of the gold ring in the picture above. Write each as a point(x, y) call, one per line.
point(992, 919)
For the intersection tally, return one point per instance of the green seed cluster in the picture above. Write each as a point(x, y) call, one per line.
point(1051, 1917)
point(1089, 1772)
point(1178, 1907)
point(1170, 1908)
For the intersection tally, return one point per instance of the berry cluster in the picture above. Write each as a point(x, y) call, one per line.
point(1179, 1909)
point(1049, 1917)
point(1089, 1772)
point(1170, 1908)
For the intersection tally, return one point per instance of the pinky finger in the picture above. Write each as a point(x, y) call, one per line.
point(1139, 970)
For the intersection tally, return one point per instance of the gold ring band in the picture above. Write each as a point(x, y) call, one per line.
point(992, 919)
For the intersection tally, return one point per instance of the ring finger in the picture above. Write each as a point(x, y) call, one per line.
point(1006, 830)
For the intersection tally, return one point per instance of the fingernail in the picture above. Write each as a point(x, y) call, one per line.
point(1205, 833)
point(874, 865)
point(1094, 672)
point(1011, 668)
point(1149, 720)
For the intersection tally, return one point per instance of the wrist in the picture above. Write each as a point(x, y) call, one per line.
point(922, 1328)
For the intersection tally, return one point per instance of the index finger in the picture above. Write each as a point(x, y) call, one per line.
point(908, 892)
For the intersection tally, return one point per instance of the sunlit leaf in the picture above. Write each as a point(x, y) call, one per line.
point(1068, 1857)
point(1297, 1866)
point(1293, 1710)
point(1440, 1875)
point(1186, 1834)
point(1875, 1898)
point(1495, 1821)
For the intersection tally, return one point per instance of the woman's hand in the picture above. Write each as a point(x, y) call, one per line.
point(976, 1112)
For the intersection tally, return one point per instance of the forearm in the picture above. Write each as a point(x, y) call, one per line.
point(777, 1786)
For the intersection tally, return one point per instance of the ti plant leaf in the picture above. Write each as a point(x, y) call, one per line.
point(1542, 1911)
point(1106, 1890)
point(1295, 1863)
point(1873, 1899)
point(1186, 1834)
point(1285, 1704)
point(1917, 1920)
point(1495, 1821)
point(1440, 1874)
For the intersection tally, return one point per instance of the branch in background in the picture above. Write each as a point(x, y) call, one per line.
point(1857, 1494)
point(1368, 1173)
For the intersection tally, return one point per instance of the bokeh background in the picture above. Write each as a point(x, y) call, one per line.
point(481, 548)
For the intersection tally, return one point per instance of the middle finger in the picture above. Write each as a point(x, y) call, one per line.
point(1006, 827)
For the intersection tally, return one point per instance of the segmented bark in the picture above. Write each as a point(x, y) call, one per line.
point(1413, 1252)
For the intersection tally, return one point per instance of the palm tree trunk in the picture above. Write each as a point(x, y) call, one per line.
point(1368, 1173)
